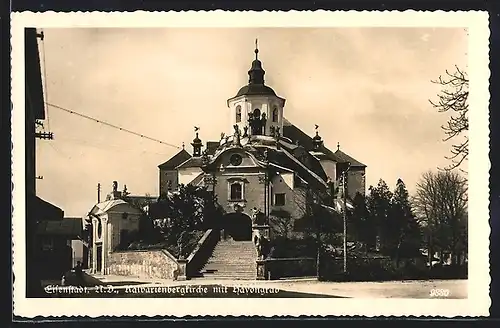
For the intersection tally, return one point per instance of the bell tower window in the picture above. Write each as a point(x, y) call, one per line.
point(238, 114)
point(275, 114)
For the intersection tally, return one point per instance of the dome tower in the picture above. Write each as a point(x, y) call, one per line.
point(256, 105)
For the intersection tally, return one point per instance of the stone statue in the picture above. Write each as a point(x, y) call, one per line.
point(263, 123)
point(222, 135)
point(272, 130)
point(245, 131)
point(236, 136)
point(115, 186)
point(255, 211)
point(125, 192)
point(204, 157)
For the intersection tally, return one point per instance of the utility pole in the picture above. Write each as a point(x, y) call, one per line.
point(98, 193)
point(44, 135)
point(344, 196)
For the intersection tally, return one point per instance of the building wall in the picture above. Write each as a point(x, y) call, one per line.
point(253, 191)
point(294, 197)
point(165, 177)
point(330, 168)
point(356, 182)
point(188, 174)
point(142, 264)
point(117, 223)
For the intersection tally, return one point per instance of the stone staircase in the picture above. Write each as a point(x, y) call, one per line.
point(231, 259)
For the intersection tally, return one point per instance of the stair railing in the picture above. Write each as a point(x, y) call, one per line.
point(202, 252)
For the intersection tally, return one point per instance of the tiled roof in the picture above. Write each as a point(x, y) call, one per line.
point(297, 135)
point(191, 162)
point(175, 160)
point(42, 210)
point(70, 227)
point(198, 180)
point(212, 147)
point(344, 158)
point(285, 159)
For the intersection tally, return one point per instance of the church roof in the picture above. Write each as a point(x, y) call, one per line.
point(314, 175)
point(344, 158)
point(175, 160)
point(191, 162)
point(212, 147)
point(297, 135)
point(256, 89)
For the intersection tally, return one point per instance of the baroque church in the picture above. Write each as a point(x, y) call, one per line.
point(263, 162)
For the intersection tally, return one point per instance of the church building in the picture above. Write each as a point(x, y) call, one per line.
point(263, 162)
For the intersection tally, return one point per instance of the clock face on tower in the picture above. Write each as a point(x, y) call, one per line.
point(235, 159)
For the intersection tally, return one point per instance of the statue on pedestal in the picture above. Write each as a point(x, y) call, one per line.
point(236, 136)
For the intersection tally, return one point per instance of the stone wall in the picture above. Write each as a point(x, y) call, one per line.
point(356, 182)
point(151, 264)
point(168, 175)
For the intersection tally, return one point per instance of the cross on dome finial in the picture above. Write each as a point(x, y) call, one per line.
point(256, 49)
point(338, 145)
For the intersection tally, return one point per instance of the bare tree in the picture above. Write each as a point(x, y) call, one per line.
point(281, 223)
point(441, 205)
point(453, 99)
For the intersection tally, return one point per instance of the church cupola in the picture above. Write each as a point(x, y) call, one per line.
point(256, 72)
point(197, 144)
point(256, 106)
point(317, 141)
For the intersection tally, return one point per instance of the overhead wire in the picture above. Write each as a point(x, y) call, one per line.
point(112, 125)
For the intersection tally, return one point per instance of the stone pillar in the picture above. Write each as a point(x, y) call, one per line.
point(262, 270)
point(104, 236)
point(94, 245)
point(182, 267)
point(260, 231)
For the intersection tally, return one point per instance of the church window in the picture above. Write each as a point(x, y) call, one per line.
point(256, 113)
point(279, 199)
point(275, 114)
point(236, 192)
point(235, 159)
point(238, 114)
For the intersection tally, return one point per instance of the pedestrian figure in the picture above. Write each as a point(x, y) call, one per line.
point(79, 272)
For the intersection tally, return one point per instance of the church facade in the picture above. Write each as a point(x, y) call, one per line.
point(263, 163)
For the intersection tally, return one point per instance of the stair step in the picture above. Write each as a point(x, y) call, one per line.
point(232, 260)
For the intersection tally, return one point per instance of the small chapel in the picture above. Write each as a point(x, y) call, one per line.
point(262, 162)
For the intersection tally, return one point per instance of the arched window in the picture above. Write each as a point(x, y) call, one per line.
point(275, 114)
point(236, 191)
point(238, 114)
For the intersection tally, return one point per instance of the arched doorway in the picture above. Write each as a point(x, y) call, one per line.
point(238, 226)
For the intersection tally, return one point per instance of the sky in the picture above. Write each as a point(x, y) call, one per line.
point(367, 89)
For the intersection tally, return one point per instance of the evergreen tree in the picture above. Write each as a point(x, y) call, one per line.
point(404, 236)
point(379, 207)
point(360, 224)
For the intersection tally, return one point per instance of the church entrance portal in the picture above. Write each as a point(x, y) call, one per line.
point(99, 259)
point(238, 226)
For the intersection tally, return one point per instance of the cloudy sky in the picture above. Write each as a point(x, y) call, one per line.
point(367, 88)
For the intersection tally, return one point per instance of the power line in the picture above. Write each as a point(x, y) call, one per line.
point(112, 125)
